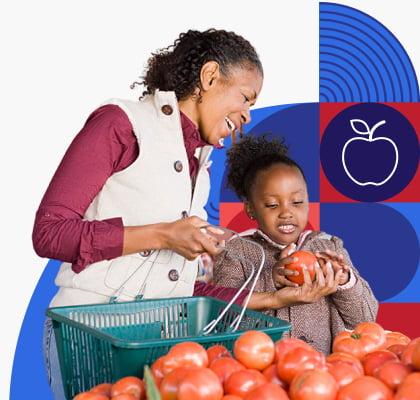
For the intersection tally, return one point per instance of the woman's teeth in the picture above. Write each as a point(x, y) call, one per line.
point(230, 124)
point(286, 228)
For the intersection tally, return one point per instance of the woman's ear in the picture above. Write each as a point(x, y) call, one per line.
point(248, 210)
point(209, 73)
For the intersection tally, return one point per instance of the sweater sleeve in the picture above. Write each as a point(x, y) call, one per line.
point(59, 230)
point(228, 271)
point(219, 292)
point(357, 303)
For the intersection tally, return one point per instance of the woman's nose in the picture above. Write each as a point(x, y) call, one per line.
point(246, 116)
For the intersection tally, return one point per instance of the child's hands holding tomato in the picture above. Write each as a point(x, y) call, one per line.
point(310, 291)
point(280, 272)
point(337, 262)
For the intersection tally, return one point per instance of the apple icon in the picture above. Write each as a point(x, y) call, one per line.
point(371, 147)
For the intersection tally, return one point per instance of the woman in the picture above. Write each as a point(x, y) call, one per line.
point(125, 208)
point(130, 182)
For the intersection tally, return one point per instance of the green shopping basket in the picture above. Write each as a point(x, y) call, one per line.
point(104, 342)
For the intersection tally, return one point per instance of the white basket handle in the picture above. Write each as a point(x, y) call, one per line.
point(236, 322)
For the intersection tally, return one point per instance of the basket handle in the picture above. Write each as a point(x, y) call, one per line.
point(236, 322)
point(211, 325)
point(114, 299)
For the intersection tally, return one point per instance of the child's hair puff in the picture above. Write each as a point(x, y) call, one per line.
point(251, 155)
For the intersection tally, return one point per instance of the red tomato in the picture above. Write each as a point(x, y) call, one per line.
point(304, 258)
point(372, 361)
point(231, 397)
point(409, 388)
point(202, 384)
point(415, 359)
point(124, 396)
point(407, 393)
point(103, 388)
point(169, 385)
point(225, 367)
point(268, 391)
point(90, 396)
point(407, 355)
point(397, 349)
point(186, 354)
point(347, 358)
point(392, 373)
point(283, 346)
point(412, 379)
point(343, 372)
point(157, 372)
point(217, 351)
point(396, 338)
point(254, 349)
point(272, 376)
point(313, 385)
point(367, 337)
point(365, 388)
point(240, 383)
point(299, 360)
point(131, 385)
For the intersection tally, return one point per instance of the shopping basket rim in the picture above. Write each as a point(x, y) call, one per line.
point(282, 325)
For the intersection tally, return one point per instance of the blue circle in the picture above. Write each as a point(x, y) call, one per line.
point(369, 152)
point(382, 243)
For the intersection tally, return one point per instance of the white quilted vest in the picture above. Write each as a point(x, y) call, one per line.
point(152, 189)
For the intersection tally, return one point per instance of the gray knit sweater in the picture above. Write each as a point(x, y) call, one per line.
point(316, 323)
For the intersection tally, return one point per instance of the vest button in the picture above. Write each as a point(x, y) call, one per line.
point(145, 253)
point(173, 275)
point(184, 214)
point(178, 166)
point(167, 109)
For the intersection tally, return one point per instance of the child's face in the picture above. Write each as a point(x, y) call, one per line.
point(279, 203)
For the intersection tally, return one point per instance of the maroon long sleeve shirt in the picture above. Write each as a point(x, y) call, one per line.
point(105, 145)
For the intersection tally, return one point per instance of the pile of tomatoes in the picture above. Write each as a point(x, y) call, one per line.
point(366, 364)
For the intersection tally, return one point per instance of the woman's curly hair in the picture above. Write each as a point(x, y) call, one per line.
point(177, 68)
point(251, 155)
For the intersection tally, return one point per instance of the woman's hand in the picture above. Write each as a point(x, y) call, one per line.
point(192, 236)
point(280, 272)
point(337, 261)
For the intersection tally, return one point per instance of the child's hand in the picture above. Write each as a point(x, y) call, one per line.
point(338, 263)
point(309, 292)
point(280, 273)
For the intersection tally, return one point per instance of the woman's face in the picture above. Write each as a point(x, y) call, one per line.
point(225, 102)
point(279, 203)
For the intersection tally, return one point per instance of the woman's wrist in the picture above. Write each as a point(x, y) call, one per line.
point(146, 237)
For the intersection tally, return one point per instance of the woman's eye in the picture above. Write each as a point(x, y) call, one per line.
point(297, 202)
point(246, 99)
point(271, 205)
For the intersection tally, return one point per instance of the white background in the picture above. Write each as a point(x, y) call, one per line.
point(60, 60)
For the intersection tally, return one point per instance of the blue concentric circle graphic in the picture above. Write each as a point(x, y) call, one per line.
point(360, 60)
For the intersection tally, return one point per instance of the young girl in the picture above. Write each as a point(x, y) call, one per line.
point(274, 192)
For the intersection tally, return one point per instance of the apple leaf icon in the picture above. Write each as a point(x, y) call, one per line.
point(362, 128)
point(355, 122)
